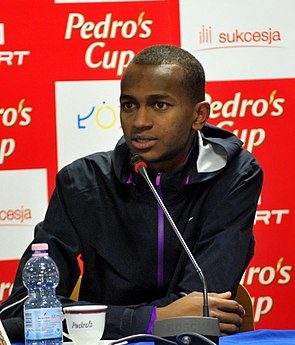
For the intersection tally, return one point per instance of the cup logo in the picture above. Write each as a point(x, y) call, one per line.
point(82, 324)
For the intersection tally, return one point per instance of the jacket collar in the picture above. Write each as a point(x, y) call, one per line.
point(216, 148)
point(211, 157)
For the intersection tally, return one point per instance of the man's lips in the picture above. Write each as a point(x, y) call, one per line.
point(143, 142)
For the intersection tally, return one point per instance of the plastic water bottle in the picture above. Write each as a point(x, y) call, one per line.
point(42, 309)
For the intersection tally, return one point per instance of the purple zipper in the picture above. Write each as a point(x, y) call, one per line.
point(160, 236)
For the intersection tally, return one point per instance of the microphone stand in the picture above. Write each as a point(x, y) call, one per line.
point(182, 241)
point(171, 327)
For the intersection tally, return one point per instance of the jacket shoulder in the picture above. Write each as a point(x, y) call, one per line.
point(246, 159)
point(86, 172)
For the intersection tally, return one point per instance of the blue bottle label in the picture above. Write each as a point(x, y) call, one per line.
point(43, 323)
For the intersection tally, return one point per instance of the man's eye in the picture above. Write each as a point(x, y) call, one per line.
point(127, 105)
point(161, 105)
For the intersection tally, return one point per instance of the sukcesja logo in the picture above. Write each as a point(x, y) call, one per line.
point(8, 57)
point(208, 38)
point(15, 216)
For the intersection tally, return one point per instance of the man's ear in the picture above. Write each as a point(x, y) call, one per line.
point(202, 112)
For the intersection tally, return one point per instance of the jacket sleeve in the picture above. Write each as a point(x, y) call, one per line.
point(64, 247)
point(225, 242)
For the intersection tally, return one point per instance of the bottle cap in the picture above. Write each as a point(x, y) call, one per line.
point(40, 249)
point(39, 246)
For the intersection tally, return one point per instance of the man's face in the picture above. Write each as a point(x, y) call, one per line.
point(157, 116)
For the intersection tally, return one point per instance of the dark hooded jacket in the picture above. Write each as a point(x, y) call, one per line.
point(132, 260)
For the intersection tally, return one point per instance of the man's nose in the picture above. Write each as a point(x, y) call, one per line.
point(143, 119)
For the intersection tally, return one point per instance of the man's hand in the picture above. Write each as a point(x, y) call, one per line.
point(228, 312)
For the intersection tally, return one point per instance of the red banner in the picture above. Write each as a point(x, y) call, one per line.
point(260, 112)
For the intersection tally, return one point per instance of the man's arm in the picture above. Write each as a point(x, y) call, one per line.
point(228, 312)
point(224, 247)
point(64, 246)
point(225, 242)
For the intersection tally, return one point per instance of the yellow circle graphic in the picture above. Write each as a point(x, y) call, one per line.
point(103, 107)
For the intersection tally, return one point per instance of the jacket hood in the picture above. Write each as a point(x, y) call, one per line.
point(215, 149)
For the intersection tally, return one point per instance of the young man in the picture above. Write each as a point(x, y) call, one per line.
point(104, 211)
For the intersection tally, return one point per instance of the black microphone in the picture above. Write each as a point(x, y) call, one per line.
point(206, 324)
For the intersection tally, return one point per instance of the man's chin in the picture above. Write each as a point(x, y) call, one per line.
point(156, 162)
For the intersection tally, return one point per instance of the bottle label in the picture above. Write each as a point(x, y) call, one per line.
point(43, 323)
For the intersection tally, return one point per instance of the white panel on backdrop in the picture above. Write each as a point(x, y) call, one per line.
point(23, 203)
point(87, 118)
point(2, 40)
point(238, 39)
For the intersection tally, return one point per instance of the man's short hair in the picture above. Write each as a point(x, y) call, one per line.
point(194, 75)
